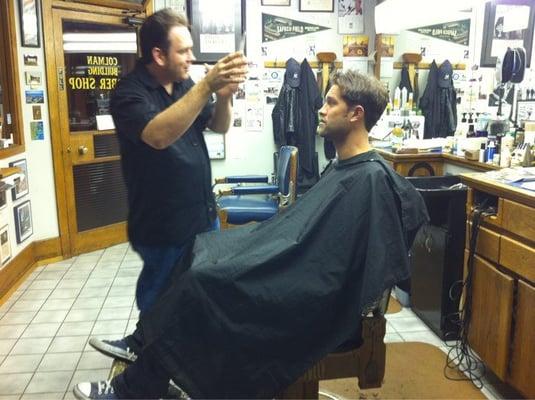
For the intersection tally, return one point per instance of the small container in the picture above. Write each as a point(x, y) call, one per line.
point(482, 149)
point(490, 152)
point(496, 159)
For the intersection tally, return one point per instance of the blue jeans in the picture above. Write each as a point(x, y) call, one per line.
point(158, 264)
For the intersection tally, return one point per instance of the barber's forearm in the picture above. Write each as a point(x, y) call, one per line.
point(170, 124)
point(220, 121)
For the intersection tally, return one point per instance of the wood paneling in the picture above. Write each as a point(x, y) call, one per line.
point(492, 309)
point(518, 257)
point(523, 357)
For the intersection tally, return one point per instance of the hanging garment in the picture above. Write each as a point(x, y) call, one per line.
point(295, 119)
point(405, 81)
point(439, 102)
point(250, 309)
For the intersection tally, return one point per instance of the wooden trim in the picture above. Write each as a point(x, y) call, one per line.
point(125, 5)
point(86, 240)
point(93, 9)
point(47, 248)
point(53, 109)
point(9, 50)
point(399, 65)
point(18, 269)
point(11, 275)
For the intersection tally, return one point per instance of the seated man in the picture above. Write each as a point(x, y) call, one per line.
point(249, 310)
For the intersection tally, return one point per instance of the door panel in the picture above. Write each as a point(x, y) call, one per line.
point(92, 52)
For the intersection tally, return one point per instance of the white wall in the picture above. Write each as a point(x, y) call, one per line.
point(38, 155)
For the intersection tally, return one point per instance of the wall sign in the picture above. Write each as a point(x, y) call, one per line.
point(455, 32)
point(276, 28)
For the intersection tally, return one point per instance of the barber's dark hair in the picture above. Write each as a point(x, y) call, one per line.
point(155, 32)
point(362, 90)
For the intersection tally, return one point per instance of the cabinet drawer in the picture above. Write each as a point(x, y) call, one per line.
point(518, 257)
point(492, 309)
point(519, 219)
point(523, 353)
point(488, 243)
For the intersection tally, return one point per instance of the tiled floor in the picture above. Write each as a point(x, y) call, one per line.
point(45, 324)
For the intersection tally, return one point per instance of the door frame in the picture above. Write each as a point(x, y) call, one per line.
point(51, 43)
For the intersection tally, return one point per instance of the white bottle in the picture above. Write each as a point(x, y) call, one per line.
point(404, 95)
point(397, 98)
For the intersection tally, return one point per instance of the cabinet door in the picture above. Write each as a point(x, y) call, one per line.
point(523, 356)
point(492, 308)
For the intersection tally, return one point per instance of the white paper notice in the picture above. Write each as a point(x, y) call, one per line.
point(105, 122)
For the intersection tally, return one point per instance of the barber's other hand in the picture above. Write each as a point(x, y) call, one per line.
point(225, 76)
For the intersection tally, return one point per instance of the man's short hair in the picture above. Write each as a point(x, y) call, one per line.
point(155, 32)
point(362, 90)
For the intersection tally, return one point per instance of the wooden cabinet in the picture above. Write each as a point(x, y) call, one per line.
point(502, 328)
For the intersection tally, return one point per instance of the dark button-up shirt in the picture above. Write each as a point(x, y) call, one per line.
point(169, 195)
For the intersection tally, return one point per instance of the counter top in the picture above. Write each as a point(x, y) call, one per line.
point(450, 158)
point(484, 183)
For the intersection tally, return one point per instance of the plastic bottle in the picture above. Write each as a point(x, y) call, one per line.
point(397, 98)
point(490, 152)
point(410, 101)
point(482, 150)
point(404, 94)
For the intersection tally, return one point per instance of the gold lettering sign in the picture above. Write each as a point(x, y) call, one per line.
point(99, 71)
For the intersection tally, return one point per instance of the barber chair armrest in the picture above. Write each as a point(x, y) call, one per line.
point(261, 189)
point(243, 179)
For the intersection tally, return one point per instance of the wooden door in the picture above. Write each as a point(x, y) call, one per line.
point(89, 53)
point(492, 310)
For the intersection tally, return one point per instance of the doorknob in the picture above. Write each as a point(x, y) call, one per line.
point(82, 150)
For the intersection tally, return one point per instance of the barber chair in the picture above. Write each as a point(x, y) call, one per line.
point(365, 362)
point(254, 199)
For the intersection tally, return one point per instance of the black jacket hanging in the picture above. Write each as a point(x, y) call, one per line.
point(295, 119)
point(439, 102)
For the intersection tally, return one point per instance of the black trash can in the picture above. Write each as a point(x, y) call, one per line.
point(437, 253)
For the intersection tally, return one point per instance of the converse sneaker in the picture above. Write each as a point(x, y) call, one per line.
point(118, 349)
point(101, 390)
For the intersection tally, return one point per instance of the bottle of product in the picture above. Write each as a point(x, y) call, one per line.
point(397, 98)
point(397, 138)
point(404, 94)
point(490, 152)
point(482, 150)
point(410, 101)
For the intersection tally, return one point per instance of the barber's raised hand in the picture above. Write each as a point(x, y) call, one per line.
point(225, 76)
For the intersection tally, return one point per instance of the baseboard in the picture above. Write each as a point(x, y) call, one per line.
point(48, 248)
point(16, 271)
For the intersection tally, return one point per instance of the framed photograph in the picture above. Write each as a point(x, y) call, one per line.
point(5, 246)
point(507, 23)
point(316, 5)
point(31, 60)
point(275, 2)
point(29, 23)
point(217, 27)
point(21, 187)
point(23, 221)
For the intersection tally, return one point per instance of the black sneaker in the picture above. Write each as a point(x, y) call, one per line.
point(101, 390)
point(118, 349)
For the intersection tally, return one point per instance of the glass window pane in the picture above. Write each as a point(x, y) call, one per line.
point(96, 57)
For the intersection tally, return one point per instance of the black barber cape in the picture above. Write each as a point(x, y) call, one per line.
point(250, 309)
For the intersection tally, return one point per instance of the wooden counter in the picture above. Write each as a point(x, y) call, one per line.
point(502, 329)
point(429, 164)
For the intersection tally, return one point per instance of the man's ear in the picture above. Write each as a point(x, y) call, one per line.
point(158, 56)
point(357, 114)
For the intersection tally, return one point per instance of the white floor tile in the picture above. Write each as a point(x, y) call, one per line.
point(45, 316)
point(31, 346)
point(68, 344)
point(35, 330)
point(14, 383)
point(6, 345)
point(392, 338)
point(59, 362)
point(422, 336)
point(17, 317)
point(20, 363)
point(11, 331)
point(408, 324)
point(49, 382)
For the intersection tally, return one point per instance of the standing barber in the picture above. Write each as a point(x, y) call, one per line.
point(160, 115)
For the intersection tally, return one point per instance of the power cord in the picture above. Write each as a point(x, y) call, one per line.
point(460, 356)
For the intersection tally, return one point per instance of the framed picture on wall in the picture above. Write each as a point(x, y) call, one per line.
point(275, 2)
point(29, 23)
point(217, 27)
point(23, 221)
point(507, 23)
point(20, 184)
point(316, 5)
point(5, 246)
